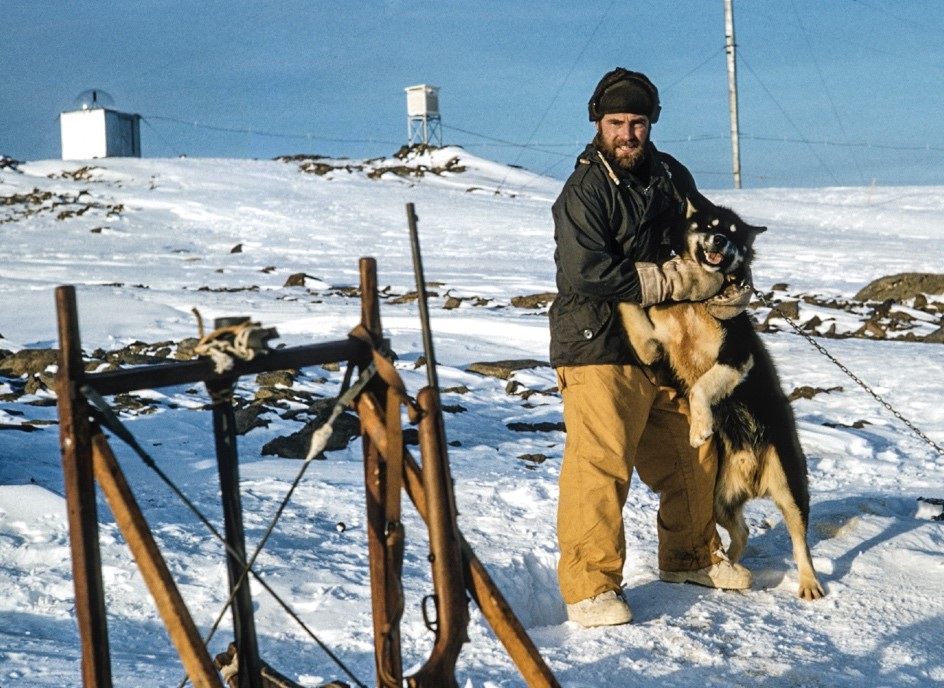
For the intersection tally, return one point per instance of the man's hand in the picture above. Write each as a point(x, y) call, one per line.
point(676, 280)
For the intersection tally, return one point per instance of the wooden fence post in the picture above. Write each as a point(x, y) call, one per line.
point(75, 445)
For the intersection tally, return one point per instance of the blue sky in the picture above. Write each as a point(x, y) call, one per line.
point(832, 92)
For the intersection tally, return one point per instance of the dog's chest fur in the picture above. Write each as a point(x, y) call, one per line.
point(691, 337)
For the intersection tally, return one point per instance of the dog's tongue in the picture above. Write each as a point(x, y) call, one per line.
point(713, 258)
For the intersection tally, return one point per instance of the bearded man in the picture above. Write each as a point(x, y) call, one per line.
point(611, 230)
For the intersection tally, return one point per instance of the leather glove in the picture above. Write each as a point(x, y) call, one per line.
point(676, 280)
point(731, 301)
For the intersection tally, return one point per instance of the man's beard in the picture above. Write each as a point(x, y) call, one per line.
point(631, 163)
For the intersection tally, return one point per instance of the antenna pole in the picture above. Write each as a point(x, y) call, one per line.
point(729, 48)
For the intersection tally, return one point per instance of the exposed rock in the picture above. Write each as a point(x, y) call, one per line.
point(806, 392)
point(185, 349)
point(857, 425)
point(409, 297)
point(296, 280)
point(376, 168)
point(786, 309)
point(28, 362)
point(504, 369)
point(295, 446)
point(286, 378)
point(936, 337)
point(545, 426)
point(249, 417)
point(533, 300)
point(24, 427)
point(277, 396)
point(65, 205)
point(902, 287)
point(132, 404)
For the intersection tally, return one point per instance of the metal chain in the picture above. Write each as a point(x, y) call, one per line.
point(819, 347)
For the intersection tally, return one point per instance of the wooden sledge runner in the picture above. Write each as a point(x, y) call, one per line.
point(87, 459)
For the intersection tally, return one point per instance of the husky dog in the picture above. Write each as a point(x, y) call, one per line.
point(732, 387)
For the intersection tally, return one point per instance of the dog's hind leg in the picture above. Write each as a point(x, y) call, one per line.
point(775, 481)
point(731, 493)
point(731, 518)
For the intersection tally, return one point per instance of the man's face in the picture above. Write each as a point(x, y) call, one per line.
point(623, 136)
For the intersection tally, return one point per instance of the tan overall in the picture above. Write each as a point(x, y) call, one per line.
point(618, 419)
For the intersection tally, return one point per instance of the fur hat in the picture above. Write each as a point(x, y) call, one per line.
point(624, 91)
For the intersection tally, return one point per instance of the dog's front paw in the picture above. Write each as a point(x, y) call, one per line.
point(700, 432)
point(701, 420)
point(810, 589)
point(650, 352)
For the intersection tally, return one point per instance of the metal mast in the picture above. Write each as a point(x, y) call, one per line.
point(732, 90)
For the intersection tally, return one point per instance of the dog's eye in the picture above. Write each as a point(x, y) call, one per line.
point(715, 222)
point(733, 228)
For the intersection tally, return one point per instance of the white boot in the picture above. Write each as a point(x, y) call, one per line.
point(723, 575)
point(606, 609)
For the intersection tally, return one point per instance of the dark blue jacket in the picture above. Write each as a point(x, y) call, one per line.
point(601, 230)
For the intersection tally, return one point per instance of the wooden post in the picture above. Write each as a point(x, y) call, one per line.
point(227, 459)
point(370, 304)
point(75, 445)
point(479, 583)
point(384, 530)
point(183, 632)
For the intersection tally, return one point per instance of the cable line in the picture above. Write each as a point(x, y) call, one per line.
point(694, 69)
point(110, 420)
point(563, 83)
point(263, 132)
point(786, 116)
point(822, 80)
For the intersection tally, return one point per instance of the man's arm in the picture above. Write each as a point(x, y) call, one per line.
point(586, 248)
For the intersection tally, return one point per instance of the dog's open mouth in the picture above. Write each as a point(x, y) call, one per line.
point(713, 257)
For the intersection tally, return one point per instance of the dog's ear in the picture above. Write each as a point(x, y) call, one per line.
point(690, 208)
point(757, 229)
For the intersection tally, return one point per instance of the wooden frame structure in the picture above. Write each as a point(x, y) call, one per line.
point(87, 459)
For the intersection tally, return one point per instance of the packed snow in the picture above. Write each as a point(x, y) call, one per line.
point(146, 241)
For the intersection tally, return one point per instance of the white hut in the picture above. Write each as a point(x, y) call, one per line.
point(97, 130)
point(424, 123)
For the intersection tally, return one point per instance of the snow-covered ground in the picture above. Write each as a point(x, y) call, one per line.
point(145, 241)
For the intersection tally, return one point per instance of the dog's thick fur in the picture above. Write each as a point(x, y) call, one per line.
point(732, 387)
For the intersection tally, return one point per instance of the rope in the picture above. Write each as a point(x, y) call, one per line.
point(225, 344)
point(819, 347)
point(113, 423)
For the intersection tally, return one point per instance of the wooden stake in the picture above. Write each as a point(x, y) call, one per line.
point(80, 498)
point(170, 605)
point(479, 583)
